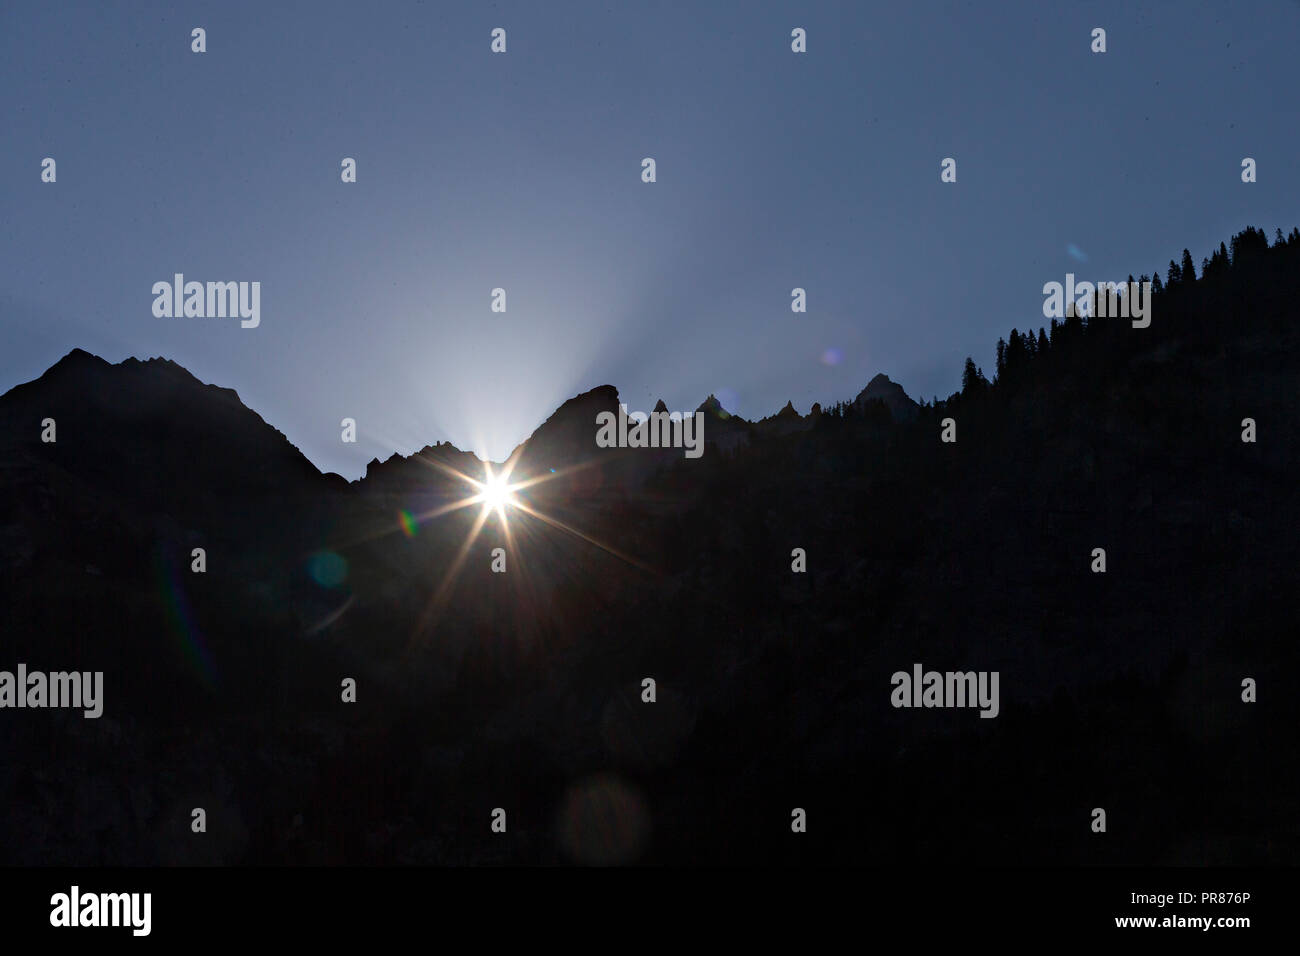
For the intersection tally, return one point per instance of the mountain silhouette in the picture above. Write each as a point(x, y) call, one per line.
point(479, 688)
point(881, 389)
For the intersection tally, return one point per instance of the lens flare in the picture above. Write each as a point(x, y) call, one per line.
point(180, 616)
point(327, 569)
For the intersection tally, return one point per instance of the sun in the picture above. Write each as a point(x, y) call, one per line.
point(497, 493)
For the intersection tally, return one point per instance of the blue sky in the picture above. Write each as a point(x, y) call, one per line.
point(522, 171)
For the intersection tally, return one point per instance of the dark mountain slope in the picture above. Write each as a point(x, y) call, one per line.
point(523, 690)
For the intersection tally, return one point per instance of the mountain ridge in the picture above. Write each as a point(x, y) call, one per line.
point(769, 588)
point(605, 397)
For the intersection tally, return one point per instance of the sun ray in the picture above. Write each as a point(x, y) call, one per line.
point(498, 496)
point(550, 476)
point(431, 610)
point(556, 523)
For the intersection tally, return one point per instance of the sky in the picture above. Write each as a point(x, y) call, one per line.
point(522, 170)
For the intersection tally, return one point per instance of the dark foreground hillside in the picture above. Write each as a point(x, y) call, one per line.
point(523, 690)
